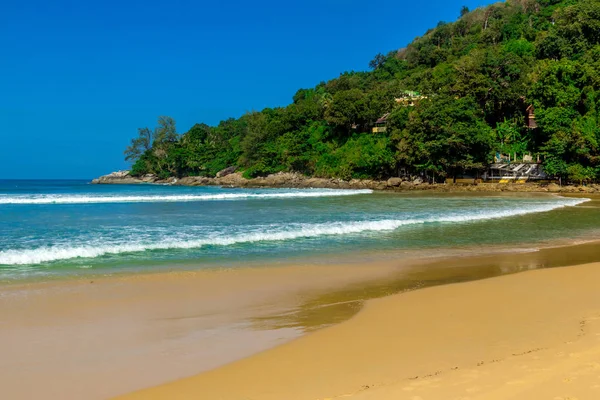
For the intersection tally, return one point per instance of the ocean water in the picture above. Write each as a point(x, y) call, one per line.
point(59, 228)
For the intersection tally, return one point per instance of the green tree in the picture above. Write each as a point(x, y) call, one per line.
point(165, 131)
point(447, 136)
point(464, 11)
point(139, 145)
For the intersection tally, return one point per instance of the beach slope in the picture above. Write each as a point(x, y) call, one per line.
point(529, 335)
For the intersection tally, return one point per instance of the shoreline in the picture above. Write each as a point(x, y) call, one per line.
point(534, 334)
point(298, 181)
point(409, 257)
point(151, 323)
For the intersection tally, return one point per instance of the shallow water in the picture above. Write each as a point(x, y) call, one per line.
point(65, 228)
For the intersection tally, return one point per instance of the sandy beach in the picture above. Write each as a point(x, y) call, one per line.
point(340, 328)
point(532, 335)
point(104, 336)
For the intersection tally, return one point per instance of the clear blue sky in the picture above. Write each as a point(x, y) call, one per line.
point(77, 78)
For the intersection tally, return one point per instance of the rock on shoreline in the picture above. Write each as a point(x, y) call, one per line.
point(295, 180)
point(125, 178)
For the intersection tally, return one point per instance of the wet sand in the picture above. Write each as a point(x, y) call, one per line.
point(533, 335)
point(98, 338)
point(103, 337)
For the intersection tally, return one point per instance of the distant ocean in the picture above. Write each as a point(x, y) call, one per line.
point(57, 228)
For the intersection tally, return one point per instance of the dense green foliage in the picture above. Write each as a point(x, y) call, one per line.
point(478, 75)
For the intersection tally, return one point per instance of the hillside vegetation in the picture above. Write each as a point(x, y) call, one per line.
point(477, 77)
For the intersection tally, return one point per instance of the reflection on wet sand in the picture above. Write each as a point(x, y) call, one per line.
point(332, 307)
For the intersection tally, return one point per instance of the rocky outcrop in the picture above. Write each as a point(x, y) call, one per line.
point(118, 177)
point(394, 182)
point(125, 178)
point(296, 180)
point(149, 178)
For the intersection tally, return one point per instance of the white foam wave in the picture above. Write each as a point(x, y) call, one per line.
point(47, 254)
point(82, 199)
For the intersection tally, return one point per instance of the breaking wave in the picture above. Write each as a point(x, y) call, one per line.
point(87, 199)
point(267, 234)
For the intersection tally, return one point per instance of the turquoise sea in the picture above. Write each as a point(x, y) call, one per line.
point(58, 228)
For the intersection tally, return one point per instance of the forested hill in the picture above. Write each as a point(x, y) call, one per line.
point(475, 79)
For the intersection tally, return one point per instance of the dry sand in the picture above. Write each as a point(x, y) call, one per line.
point(532, 335)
